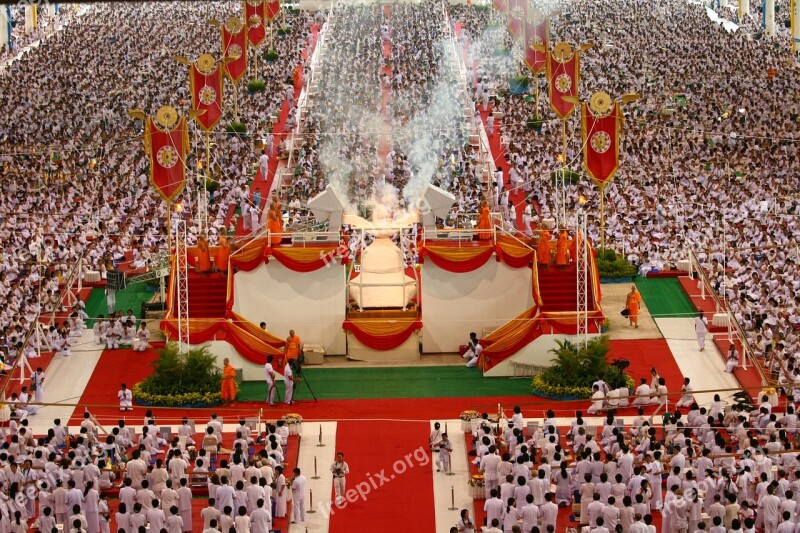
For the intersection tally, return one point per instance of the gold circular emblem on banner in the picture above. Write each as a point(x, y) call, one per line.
point(205, 63)
point(234, 25)
point(167, 116)
point(600, 102)
point(562, 51)
point(254, 3)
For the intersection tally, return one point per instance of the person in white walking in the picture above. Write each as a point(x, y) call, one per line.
point(700, 329)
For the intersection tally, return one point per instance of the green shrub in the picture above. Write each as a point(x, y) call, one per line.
point(256, 86)
point(284, 30)
point(534, 123)
point(270, 55)
point(610, 266)
point(181, 379)
point(236, 128)
point(575, 368)
point(570, 176)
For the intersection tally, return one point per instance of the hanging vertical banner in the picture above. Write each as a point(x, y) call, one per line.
point(166, 143)
point(205, 81)
point(255, 15)
point(563, 75)
point(501, 5)
point(601, 124)
point(273, 9)
point(537, 35)
point(518, 13)
point(234, 49)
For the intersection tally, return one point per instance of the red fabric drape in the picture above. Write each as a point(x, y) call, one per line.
point(250, 256)
point(304, 259)
point(379, 335)
point(509, 338)
point(454, 259)
point(252, 347)
point(513, 253)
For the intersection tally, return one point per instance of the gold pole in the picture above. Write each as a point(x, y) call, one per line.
point(255, 60)
point(603, 217)
point(235, 101)
point(270, 34)
point(208, 155)
point(169, 225)
point(536, 84)
point(564, 138)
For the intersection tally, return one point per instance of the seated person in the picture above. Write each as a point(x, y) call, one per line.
point(598, 400)
point(474, 350)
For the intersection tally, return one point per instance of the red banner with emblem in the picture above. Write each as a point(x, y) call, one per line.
point(601, 142)
point(273, 9)
point(562, 79)
point(234, 50)
point(206, 95)
point(518, 13)
point(167, 149)
point(501, 5)
point(254, 16)
point(537, 35)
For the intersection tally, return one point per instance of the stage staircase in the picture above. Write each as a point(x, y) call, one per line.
point(207, 295)
point(558, 290)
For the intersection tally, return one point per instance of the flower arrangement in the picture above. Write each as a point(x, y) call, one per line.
point(189, 399)
point(292, 418)
point(469, 415)
point(476, 481)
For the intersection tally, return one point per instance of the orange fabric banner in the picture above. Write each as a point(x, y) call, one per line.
point(454, 259)
point(509, 338)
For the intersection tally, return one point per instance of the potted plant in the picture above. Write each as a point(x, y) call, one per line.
point(284, 30)
point(535, 122)
point(256, 86)
point(270, 55)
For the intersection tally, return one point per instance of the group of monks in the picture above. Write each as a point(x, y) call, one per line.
point(204, 254)
point(564, 252)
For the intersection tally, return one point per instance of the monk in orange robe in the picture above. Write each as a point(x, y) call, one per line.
point(293, 347)
point(543, 249)
point(275, 224)
point(632, 303)
point(203, 255)
point(485, 222)
point(223, 254)
point(228, 385)
point(562, 251)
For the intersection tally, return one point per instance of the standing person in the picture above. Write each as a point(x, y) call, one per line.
point(485, 222)
point(203, 255)
point(288, 382)
point(700, 329)
point(298, 497)
point(223, 254)
point(632, 303)
point(340, 469)
point(111, 300)
point(263, 163)
point(293, 347)
point(445, 449)
point(270, 376)
point(37, 385)
point(280, 493)
point(527, 217)
point(228, 384)
point(125, 398)
point(543, 248)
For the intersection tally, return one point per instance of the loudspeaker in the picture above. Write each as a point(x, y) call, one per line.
point(115, 280)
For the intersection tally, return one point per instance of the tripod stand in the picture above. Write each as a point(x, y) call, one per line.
point(297, 370)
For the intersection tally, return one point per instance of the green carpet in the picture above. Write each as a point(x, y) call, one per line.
point(131, 298)
point(400, 382)
point(665, 297)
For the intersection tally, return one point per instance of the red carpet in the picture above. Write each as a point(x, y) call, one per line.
point(390, 466)
point(558, 289)
point(127, 366)
point(207, 295)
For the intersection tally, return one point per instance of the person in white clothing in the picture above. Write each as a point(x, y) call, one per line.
point(700, 329)
point(474, 350)
point(142, 341)
point(339, 469)
point(288, 381)
point(263, 163)
point(272, 387)
point(37, 385)
point(125, 398)
point(298, 497)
